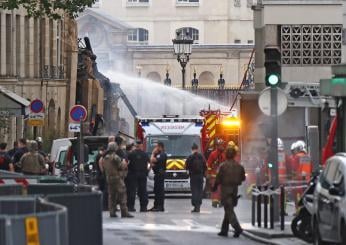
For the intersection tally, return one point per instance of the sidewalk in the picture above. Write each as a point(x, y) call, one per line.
point(265, 235)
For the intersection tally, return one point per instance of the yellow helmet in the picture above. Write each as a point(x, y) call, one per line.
point(231, 144)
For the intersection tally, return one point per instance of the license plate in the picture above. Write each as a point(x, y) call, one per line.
point(176, 185)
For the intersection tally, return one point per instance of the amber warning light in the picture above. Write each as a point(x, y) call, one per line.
point(231, 122)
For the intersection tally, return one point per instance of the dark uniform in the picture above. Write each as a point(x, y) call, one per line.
point(137, 179)
point(159, 181)
point(231, 174)
point(116, 187)
point(196, 165)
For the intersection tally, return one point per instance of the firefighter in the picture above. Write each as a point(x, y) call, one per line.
point(236, 148)
point(305, 165)
point(302, 167)
point(215, 159)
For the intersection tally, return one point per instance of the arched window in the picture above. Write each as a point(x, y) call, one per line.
point(51, 116)
point(190, 31)
point(138, 35)
point(154, 76)
point(206, 79)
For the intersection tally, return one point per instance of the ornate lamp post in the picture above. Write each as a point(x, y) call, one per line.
point(167, 81)
point(194, 81)
point(183, 48)
point(221, 81)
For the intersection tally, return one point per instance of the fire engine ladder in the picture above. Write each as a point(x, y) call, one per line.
point(119, 93)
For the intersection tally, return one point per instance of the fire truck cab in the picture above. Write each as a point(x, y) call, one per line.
point(177, 133)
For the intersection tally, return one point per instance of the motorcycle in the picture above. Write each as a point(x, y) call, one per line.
point(301, 225)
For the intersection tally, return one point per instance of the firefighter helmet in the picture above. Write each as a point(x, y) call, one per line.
point(300, 146)
point(231, 144)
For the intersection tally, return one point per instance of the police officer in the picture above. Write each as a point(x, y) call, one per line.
point(158, 161)
point(114, 169)
point(196, 166)
point(231, 174)
point(137, 177)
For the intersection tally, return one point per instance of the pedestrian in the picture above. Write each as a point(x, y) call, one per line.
point(137, 177)
point(11, 152)
point(5, 161)
point(100, 176)
point(196, 166)
point(21, 150)
point(214, 161)
point(231, 174)
point(158, 161)
point(114, 169)
point(32, 163)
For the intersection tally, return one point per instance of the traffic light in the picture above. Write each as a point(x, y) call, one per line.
point(272, 64)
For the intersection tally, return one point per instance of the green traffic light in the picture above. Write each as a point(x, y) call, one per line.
point(273, 79)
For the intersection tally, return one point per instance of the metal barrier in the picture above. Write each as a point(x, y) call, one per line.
point(28, 220)
point(11, 190)
point(262, 197)
point(84, 216)
point(84, 205)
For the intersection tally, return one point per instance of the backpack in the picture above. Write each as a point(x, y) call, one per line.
point(197, 164)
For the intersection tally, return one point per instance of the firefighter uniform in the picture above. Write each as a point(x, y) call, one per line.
point(116, 187)
point(214, 161)
point(231, 174)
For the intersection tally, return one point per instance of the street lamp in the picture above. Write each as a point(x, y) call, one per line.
point(221, 81)
point(167, 81)
point(194, 81)
point(182, 48)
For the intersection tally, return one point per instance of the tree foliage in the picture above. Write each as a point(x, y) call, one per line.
point(51, 8)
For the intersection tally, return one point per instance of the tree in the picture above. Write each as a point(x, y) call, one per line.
point(52, 8)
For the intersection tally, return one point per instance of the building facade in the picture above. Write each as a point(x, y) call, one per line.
point(38, 60)
point(139, 39)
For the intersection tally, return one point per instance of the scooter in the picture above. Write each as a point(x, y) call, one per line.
point(301, 224)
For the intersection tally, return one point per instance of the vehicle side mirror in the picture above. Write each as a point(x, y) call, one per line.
point(334, 190)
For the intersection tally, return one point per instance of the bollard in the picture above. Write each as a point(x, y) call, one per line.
point(253, 208)
point(259, 198)
point(271, 210)
point(282, 205)
point(265, 212)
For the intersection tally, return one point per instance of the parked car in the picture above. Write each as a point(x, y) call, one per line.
point(329, 222)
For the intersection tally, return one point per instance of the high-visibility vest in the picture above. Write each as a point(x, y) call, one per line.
point(282, 167)
point(305, 165)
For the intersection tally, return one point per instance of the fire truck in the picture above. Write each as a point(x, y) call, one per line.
point(178, 133)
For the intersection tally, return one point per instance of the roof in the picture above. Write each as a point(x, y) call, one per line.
point(14, 97)
point(104, 17)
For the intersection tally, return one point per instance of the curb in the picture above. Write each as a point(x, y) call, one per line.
point(258, 238)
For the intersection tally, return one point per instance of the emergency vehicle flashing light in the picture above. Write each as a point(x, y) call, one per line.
point(231, 122)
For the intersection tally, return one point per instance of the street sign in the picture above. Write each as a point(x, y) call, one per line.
point(36, 119)
point(265, 105)
point(78, 113)
point(36, 106)
point(74, 127)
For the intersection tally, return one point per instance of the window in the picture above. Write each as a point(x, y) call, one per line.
point(250, 41)
point(137, 3)
point(138, 35)
point(237, 41)
point(237, 3)
point(189, 31)
point(188, 3)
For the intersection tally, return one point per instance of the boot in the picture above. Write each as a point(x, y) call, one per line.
point(113, 215)
point(237, 233)
point(214, 204)
point(222, 233)
point(128, 215)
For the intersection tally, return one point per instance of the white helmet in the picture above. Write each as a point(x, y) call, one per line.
point(300, 146)
point(281, 146)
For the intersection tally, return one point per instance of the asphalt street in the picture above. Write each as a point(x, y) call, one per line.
point(177, 225)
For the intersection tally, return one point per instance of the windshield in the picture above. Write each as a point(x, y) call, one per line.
point(175, 145)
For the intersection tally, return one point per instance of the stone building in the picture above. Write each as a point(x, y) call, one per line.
point(136, 37)
point(309, 37)
point(38, 60)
